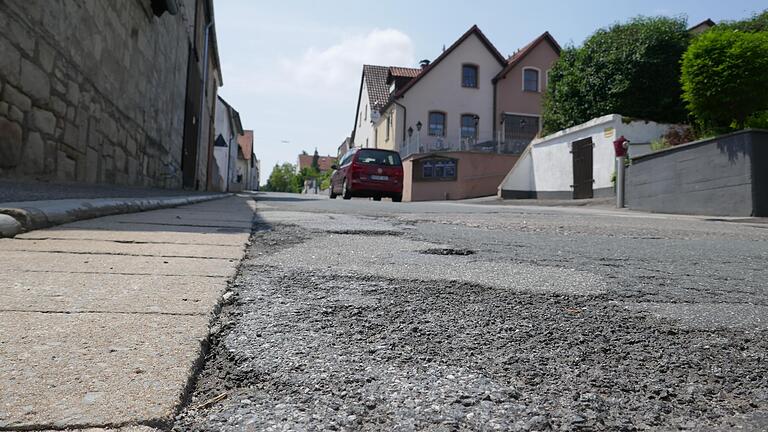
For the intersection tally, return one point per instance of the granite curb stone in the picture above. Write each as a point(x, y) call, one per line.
point(33, 215)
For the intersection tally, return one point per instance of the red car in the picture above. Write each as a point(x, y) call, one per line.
point(368, 172)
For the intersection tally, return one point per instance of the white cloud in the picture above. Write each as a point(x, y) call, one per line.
point(338, 67)
point(331, 72)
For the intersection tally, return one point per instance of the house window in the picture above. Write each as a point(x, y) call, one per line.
point(437, 124)
point(365, 113)
point(437, 169)
point(389, 125)
point(469, 76)
point(427, 169)
point(469, 125)
point(530, 80)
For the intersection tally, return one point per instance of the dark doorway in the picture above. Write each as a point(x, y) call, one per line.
point(192, 106)
point(582, 169)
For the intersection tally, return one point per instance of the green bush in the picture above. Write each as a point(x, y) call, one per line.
point(757, 23)
point(632, 69)
point(659, 144)
point(724, 77)
point(282, 179)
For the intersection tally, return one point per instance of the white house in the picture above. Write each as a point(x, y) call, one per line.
point(227, 128)
point(372, 96)
point(578, 162)
point(448, 105)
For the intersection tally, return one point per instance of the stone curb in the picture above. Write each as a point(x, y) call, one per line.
point(20, 217)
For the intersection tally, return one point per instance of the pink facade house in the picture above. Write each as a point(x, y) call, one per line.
point(520, 88)
point(461, 123)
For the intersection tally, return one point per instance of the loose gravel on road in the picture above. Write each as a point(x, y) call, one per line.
point(317, 337)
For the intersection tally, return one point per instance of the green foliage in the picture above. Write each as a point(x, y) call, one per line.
point(316, 161)
point(724, 78)
point(757, 23)
point(659, 144)
point(282, 179)
point(758, 120)
point(630, 69)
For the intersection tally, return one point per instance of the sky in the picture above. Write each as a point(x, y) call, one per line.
point(292, 68)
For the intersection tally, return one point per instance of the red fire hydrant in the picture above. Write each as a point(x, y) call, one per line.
point(620, 146)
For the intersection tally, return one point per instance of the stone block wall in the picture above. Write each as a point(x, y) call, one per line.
point(93, 91)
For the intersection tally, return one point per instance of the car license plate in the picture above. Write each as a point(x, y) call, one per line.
point(379, 177)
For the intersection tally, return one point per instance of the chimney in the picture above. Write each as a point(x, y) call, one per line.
point(424, 63)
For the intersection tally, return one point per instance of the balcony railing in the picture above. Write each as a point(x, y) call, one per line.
point(485, 144)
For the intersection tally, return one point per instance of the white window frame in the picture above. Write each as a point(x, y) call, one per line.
point(538, 81)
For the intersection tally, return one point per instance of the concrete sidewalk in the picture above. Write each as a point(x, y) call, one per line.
point(102, 321)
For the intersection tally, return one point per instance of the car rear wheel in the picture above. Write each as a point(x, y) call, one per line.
point(345, 192)
point(397, 198)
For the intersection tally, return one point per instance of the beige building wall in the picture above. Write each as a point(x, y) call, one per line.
point(477, 175)
point(441, 90)
point(511, 98)
point(380, 129)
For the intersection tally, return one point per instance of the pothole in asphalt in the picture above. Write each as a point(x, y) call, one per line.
point(365, 232)
point(447, 251)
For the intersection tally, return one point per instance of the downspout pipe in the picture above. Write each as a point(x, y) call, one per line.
point(229, 162)
point(202, 98)
point(405, 117)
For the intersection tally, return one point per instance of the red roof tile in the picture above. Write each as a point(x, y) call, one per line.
point(325, 162)
point(396, 71)
point(245, 142)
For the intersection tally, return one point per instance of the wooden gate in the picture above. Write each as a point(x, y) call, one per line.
point(192, 106)
point(582, 169)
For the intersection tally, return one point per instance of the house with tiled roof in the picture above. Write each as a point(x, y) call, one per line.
point(520, 88)
point(446, 118)
point(373, 95)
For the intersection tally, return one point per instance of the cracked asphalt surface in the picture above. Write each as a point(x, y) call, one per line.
point(361, 315)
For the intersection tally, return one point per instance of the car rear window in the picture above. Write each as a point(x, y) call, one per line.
point(378, 157)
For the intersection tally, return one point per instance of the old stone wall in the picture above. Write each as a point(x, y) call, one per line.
point(93, 90)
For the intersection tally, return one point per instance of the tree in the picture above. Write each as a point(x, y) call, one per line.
point(757, 23)
point(723, 77)
point(282, 179)
point(631, 69)
point(316, 161)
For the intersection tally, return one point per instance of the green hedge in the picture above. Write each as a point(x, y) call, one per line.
point(725, 78)
point(632, 69)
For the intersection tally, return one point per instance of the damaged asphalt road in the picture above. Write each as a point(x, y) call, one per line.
point(367, 320)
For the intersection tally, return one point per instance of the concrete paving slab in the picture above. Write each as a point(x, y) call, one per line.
point(79, 292)
point(104, 224)
point(79, 263)
point(120, 248)
point(184, 215)
point(94, 370)
point(168, 237)
point(169, 220)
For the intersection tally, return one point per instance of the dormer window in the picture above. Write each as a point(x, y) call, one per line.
point(531, 80)
point(469, 76)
